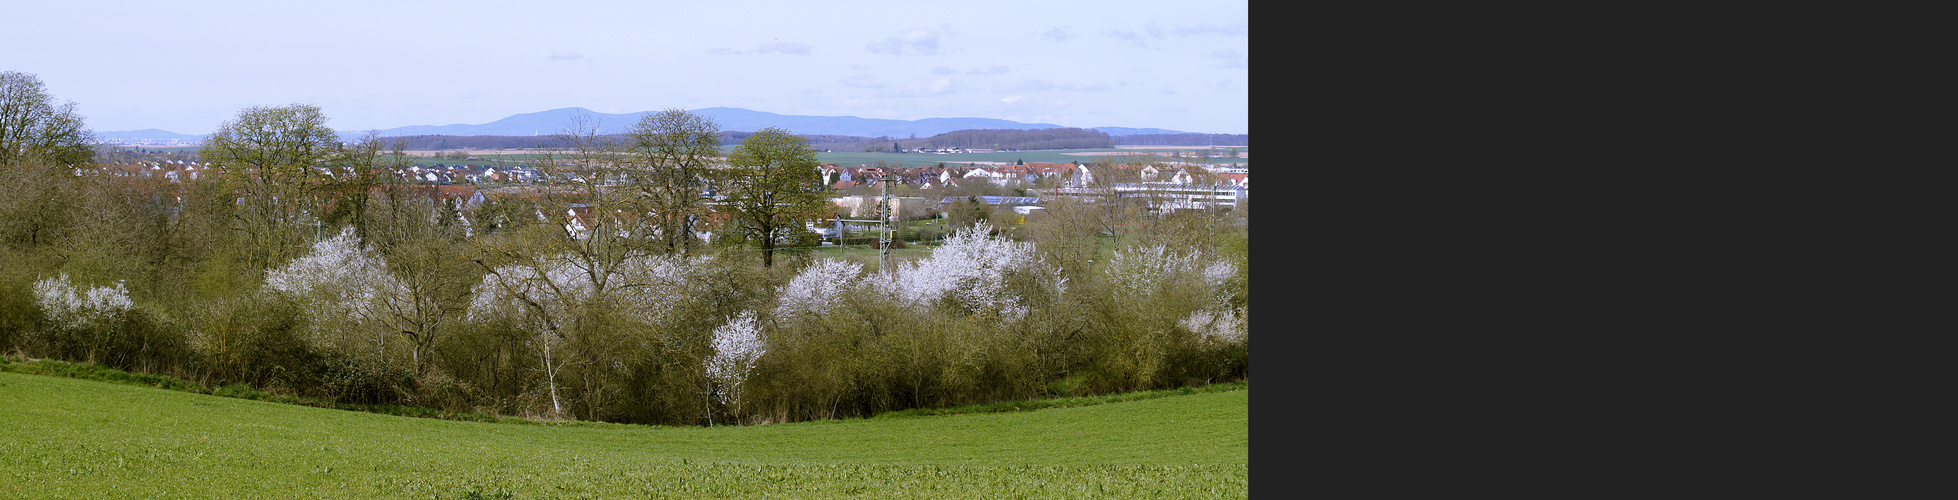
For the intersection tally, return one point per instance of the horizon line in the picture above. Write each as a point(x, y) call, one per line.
point(337, 131)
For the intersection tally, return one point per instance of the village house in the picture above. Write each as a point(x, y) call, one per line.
point(866, 207)
point(1162, 188)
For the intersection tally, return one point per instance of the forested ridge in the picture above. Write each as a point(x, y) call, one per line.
point(1004, 139)
point(1184, 140)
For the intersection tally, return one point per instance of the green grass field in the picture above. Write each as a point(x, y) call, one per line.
point(69, 438)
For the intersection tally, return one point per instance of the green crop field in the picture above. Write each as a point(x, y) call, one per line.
point(69, 438)
point(1042, 156)
point(852, 159)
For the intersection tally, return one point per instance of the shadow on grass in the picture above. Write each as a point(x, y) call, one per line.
point(87, 371)
point(1068, 402)
point(99, 373)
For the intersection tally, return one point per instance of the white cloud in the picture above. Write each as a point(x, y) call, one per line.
point(1229, 58)
point(1133, 38)
point(1014, 99)
point(1059, 34)
point(1143, 38)
point(916, 41)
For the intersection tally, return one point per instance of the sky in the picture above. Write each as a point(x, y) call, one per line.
point(189, 66)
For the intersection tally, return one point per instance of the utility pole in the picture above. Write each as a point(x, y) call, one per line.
point(884, 216)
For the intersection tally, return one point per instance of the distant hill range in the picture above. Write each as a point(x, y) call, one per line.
point(147, 135)
point(744, 120)
point(551, 122)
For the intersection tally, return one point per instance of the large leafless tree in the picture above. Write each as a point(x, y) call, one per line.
point(34, 127)
point(672, 151)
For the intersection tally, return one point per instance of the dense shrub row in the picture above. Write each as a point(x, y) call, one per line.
point(395, 305)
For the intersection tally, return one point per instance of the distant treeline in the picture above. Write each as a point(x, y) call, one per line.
point(1053, 138)
point(828, 142)
point(1184, 140)
point(442, 142)
point(447, 142)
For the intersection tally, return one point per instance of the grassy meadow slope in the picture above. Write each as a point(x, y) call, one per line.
point(77, 438)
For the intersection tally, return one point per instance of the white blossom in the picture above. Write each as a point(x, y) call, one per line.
point(971, 269)
point(1142, 271)
point(1219, 324)
point(1145, 275)
point(652, 287)
point(74, 307)
point(339, 275)
point(737, 345)
point(818, 286)
point(553, 284)
point(646, 288)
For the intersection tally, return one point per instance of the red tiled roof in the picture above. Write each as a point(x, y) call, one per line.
point(1045, 168)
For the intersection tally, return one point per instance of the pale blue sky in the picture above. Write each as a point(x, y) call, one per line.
point(187, 67)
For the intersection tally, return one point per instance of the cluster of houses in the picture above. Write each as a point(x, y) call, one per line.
point(1070, 175)
point(1063, 174)
point(438, 174)
point(470, 174)
point(1165, 188)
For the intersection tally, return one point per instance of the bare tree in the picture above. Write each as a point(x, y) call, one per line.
point(271, 157)
point(430, 262)
point(33, 126)
point(672, 150)
point(591, 282)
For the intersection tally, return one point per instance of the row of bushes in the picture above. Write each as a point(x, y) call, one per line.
point(406, 307)
point(981, 320)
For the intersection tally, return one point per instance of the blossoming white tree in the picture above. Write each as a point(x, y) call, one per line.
point(83, 318)
point(339, 274)
point(737, 346)
point(817, 286)
point(1156, 293)
point(342, 278)
point(1162, 279)
point(1219, 324)
point(71, 306)
point(974, 271)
